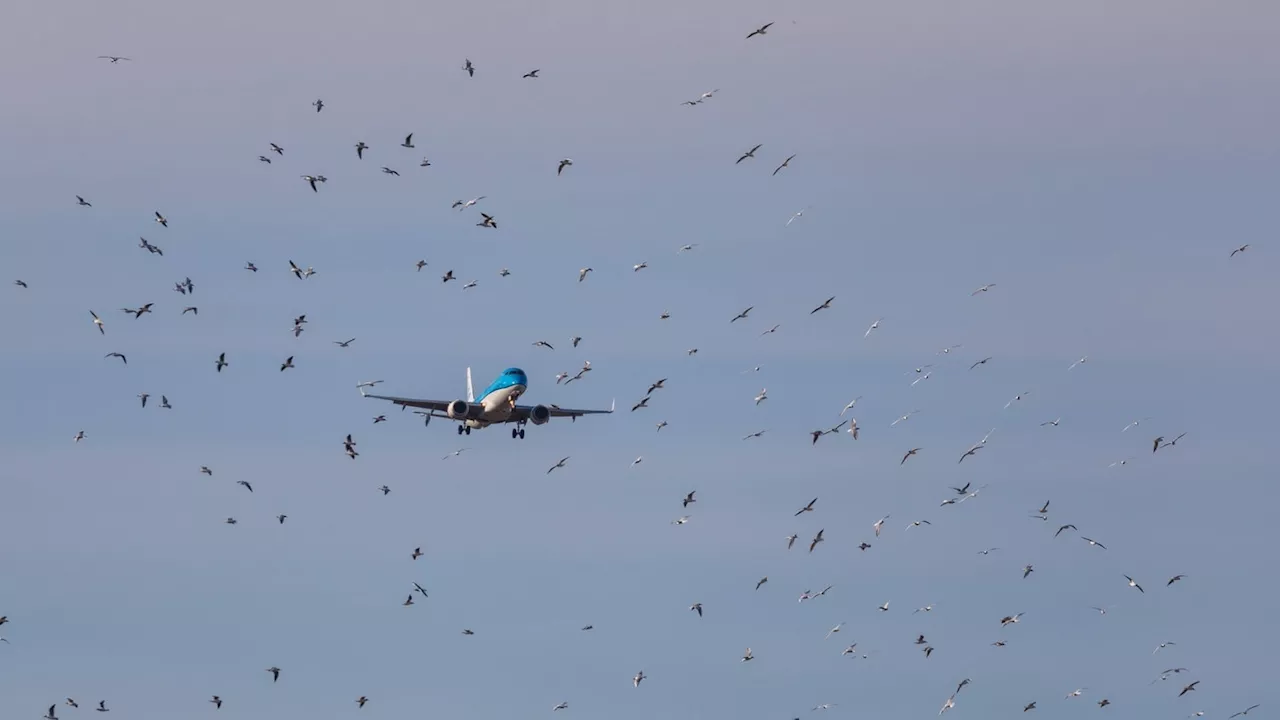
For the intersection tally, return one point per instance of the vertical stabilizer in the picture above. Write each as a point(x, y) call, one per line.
point(471, 393)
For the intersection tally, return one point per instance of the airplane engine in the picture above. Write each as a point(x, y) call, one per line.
point(458, 410)
point(539, 415)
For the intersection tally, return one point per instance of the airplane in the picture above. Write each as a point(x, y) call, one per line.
point(494, 406)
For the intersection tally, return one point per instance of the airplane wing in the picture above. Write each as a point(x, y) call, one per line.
point(521, 412)
point(436, 405)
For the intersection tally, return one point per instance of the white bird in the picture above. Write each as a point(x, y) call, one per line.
point(833, 630)
point(879, 524)
point(793, 217)
point(904, 418)
point(561, 706)
point(639, 266)
point(681, 520)
point(874, 325)
point(764, 395)
point(747, 655)
point(686, 248)
point(582, 274)
point(850, 405)
point(1081, 361)
point(982, 289)
point(853, 428)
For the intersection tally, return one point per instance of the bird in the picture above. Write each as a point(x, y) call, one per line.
point(763, 29)
point(97, 321)
point(910, 452)
point(762, 581)
point(487, 221)
point(696, 607)
point(318, 104)
point(816, 539)
point(825, 305)
point(874, 326)
point(1174, 579)
point(288, 363)
point(217, 702)
point(742, 315)
point(582, 274)
point(1027, 570)
point(360, 701)
point(531, 74)
point(113, 58)
point(982, 289)
point(1051, 422)
point(312, 180)
point(389, 171)
point(1064, 527)
point(785, 163)
point(564, 164)
point(470, 69)
point(1134, 584)
point(246, 484)
point(1091, 541)
point(983, 361)
point(102, 706)
point(559, 464)
point(408, 141)
point(360, 148)
point(971, 451)
point(1240, 249)
point(221, 362)
point(635, 681)
point(750, 153)
point(344, 343)
point(123, 359)
point(161, 219)
point(560, 706)
point(1242, 712)
point(275, 673)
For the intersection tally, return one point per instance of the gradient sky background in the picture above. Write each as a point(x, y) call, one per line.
point(1098, 161)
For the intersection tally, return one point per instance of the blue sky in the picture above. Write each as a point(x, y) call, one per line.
point(1097, 162)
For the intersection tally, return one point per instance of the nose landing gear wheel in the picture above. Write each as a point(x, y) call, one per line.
point(514, 433)
point(468, 431)
point(522, 434)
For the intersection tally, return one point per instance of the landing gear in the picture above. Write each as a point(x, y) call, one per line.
point(464, 429)
point(518, 431)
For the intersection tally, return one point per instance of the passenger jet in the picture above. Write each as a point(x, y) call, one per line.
point(496, 405)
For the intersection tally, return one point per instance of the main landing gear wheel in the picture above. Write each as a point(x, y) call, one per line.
point(464, 429)
point(517, 433)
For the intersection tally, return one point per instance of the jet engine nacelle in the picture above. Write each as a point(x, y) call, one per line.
point(539, 415)
point(458, 410)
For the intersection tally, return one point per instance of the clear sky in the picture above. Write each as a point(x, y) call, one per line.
point(1097, 162)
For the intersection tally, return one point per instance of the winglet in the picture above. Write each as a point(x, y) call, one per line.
point(613, 404)
point(471, 394)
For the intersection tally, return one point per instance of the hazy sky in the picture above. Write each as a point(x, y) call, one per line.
point(1097, 161)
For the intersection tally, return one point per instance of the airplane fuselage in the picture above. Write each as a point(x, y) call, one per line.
point(496, 406)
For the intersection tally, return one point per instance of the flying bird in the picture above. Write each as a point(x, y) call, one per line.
point(470, 69)
point(114, 59)
point(785, 163)
point(826, 304)
point(750, 153)
point(763, 29)
point(563, 164)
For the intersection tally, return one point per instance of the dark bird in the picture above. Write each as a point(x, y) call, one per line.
point(82, 201)
point(408, 141)
point(246, 485)
point(983, 361)
point(161, 219)
point(222, 361)
point(277, 149)
point(470, 69)
point(114, 59)
point(825, 305)
point(806, 508)
point(688, 499)
point(763, 29)
point(275, 673)
point(319, 105)
point(389, 171)
point(531, 74)
point(1155, 444)
point(1134, 584)
point(910, 452)
point(750, 153)
point(288, 363)
point(1174, 579)
point(123, 359)
point(816, 539)
point(1240, 249)
point(360, 148)
point(341, 343)
point(785, 163)
point(1189, 688)
point(1064, 527)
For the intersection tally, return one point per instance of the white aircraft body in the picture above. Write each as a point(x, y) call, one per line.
point(494, 406)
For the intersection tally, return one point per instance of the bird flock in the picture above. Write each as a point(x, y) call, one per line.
point(878, 632)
